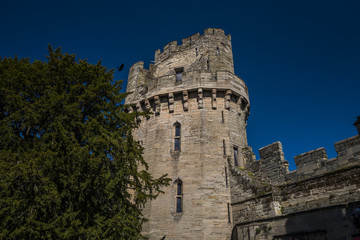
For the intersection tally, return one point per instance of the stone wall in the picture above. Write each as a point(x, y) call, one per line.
point(316, 201)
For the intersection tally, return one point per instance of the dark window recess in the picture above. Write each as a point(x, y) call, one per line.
point(224, 147)
point(208, 64)
point(178, 204)
point(177, 137)
point(236, 161)
point(179, 188)
point(177, 144)
point(179, 73)
point(217, 51)
point(222, 116)
point(226, 176)
point(228, 208)
point(177, 131)
point(179, 196)
point(196, 51)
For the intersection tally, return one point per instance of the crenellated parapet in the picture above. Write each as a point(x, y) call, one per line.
point(202, 61)
point(273, 197)
point(210, 51)
point(274, 168)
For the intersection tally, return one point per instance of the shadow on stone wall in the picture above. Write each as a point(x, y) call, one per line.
point(337, 222)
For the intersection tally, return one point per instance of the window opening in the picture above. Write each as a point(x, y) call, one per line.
point(179, 72)
point(226, 176)
point(208, 64)
point(213, 31)
point(190, 41)
point(177, 137)
point(224, 147)
point(228, 208)
point(236, 156)
point(217, 51)
point(179, 188)
point(179, 196)
point(196, 51)
point(178, 204)
point(222, 116)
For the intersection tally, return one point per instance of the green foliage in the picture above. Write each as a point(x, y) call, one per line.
point(282, 210)
point(69, 165)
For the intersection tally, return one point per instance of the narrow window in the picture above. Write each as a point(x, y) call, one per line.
point(224, 147)
point(226, 177)
point(179, 188)
point(178, 204)
point(213, 31)
point(179, 72)
point(228, 208)
point(236, 161)
point(177, 137)
point(196, 51)
point(222, 116)
point(217, 51)
point(208, 64)
point(179, 196)
point(190, 41)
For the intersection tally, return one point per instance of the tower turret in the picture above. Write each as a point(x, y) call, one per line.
point(200, 111)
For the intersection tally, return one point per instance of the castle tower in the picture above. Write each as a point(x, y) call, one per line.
point(200, 108)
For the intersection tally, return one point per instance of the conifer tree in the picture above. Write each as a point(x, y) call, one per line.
point(69, 165)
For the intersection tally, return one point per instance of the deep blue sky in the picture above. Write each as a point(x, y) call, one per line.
point(300, 59)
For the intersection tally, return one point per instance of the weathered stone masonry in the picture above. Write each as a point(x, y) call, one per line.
point(197, 135)
point(192, 86)
point(319, 200)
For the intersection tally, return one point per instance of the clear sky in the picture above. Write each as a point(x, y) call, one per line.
point(299, 59)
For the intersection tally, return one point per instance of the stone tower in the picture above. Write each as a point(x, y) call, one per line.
point(200, 108)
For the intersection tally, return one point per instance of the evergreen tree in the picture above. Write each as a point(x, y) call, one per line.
point(69, 165)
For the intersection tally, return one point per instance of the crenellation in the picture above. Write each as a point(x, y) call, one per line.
point(214, 31)
point(191, 40)
point(348, 151)
point(273, 166)
point(311, 163)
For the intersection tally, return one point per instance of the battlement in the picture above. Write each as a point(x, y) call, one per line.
point(274, 168)
point(271, 193)
point(193, 41)
point(202, 61)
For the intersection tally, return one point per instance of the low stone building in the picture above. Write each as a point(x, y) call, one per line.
point(197, 135)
